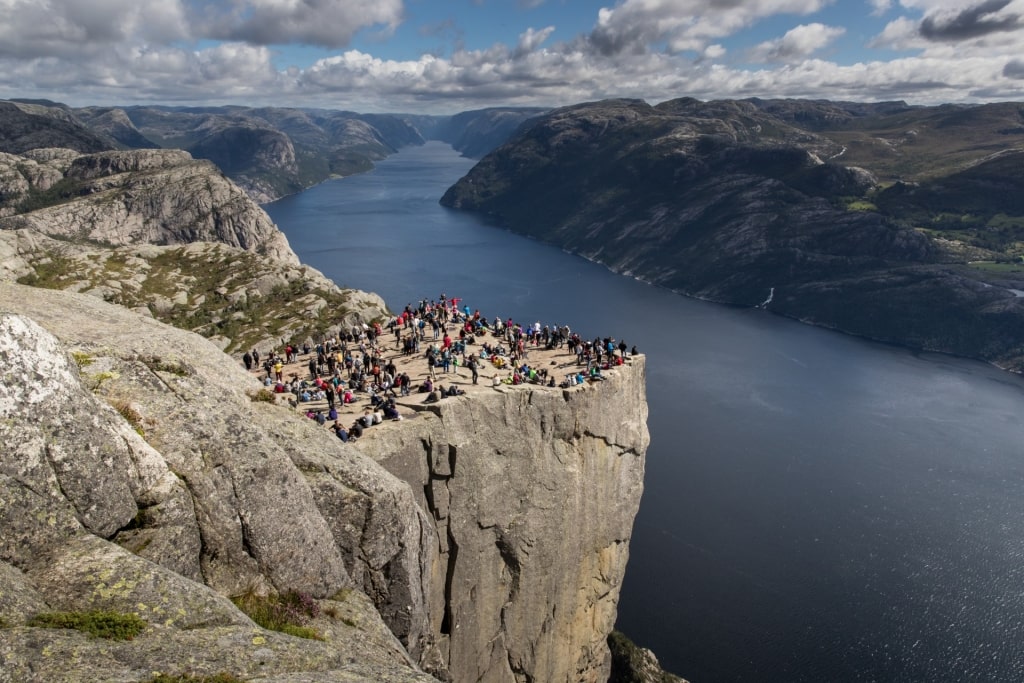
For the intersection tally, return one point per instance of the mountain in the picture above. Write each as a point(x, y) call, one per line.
point(475, 133)
point(132, 197)
point(25, 126)
point(747, 203)
point(269, 151)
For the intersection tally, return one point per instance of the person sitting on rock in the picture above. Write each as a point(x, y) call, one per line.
point(340, 431)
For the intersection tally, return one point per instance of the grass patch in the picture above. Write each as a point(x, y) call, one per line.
point(129, 413)
point(860, 205)
point(998, 267)
point(157, 364)
point(286, 613)
point(64, 190)
point(55, 272)
point(263, 396)
point(82, 359)
point(98, 624)
point(189, 678)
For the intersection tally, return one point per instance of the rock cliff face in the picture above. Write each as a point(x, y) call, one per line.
point(533, 493)
point(489, 533)
point(724, 201)
point(135, 197)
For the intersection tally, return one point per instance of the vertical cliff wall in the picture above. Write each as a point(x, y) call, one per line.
point(533, 492)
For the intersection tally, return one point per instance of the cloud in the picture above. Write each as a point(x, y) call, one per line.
point(798, 43)
point(632, 26)
point(1014, 69)
point(879, 7)
point(154, 51)
point(326, 23)
point(81, 28)
point(531, 40)
point(974, 22)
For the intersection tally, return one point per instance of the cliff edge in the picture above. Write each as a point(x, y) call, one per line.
point(482, 539)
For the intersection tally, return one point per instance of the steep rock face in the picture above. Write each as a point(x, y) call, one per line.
point(723, 201)
point(26, 126)
point(251, 155)
point(148, 196)
point(533, 493)
point(144, 479)
point(202, 494)
point(114, 123)
point(475, 133)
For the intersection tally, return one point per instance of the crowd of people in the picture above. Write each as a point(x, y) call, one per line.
point(354, 366)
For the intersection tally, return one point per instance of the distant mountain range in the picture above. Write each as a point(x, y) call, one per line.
point(269, 152)
point(890, 221)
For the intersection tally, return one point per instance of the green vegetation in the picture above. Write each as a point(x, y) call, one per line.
point(629, 664)
point(157, 364)
point(1003, 268)
point(56, 272)
point(860, 205)
point(190, 678)
point(263, 396)
point(210, 292)
point(131, 415)
point(286, 613)
point(62, 191)
point(82, 359)
point(98, 624)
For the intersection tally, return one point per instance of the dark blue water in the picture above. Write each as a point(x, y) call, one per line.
point(817, 507)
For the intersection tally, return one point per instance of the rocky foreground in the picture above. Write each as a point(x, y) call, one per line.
point(482, 539)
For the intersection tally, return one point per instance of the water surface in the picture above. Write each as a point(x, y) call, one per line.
point(817, 507)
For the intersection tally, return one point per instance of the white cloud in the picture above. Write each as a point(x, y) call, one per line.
point(128, 51)
point(797, 44)
point(531, 40)
point(879, 7)
point(327, 23)
point(684, 25)
point(81, 28)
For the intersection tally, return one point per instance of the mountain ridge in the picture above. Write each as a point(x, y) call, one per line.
point(725, 202)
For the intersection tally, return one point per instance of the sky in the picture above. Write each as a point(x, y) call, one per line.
point(447, 56)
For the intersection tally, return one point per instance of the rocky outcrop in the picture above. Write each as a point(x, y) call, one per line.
point(489, 533)
point(136, 197)
point(533, 493)
point(194, 499)
point(237, 299)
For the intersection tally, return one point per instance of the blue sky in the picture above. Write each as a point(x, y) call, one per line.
point(445, 56)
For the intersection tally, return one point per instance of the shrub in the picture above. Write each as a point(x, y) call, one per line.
point(263, 396)
point(287, 613)
point(98, 624)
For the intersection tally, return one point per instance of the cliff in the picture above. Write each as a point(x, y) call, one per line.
point(132, 197)
point(488, 534)
point(727, 202)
